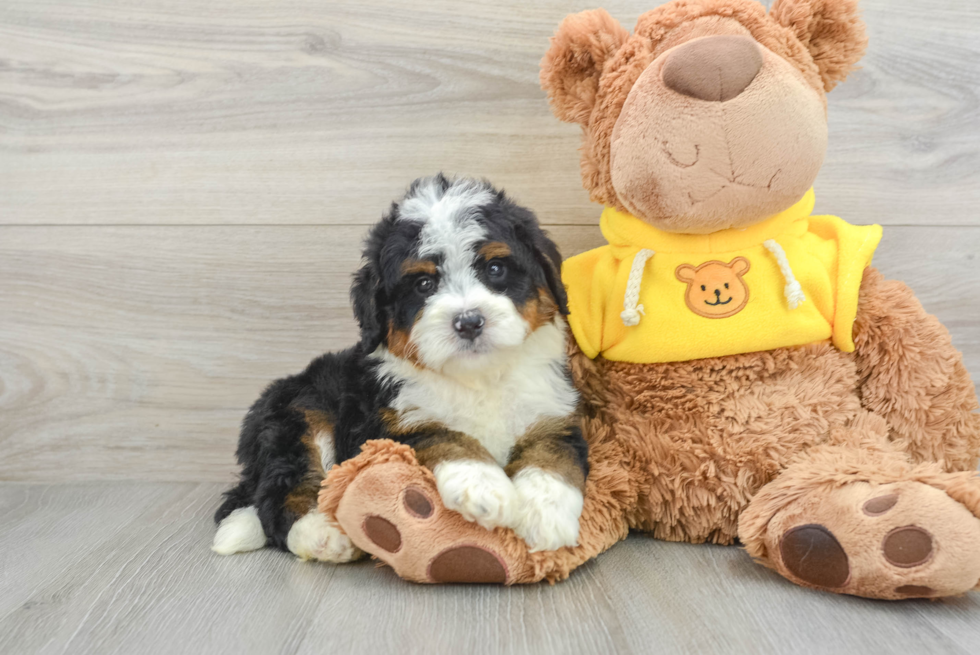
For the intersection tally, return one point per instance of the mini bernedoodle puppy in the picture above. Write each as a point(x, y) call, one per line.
point(461, 356)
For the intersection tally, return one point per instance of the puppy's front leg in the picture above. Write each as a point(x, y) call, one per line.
point(549, 465)
point(469, 480)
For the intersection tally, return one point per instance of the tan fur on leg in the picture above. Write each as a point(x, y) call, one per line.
point(913, 377)
point(607, 495)
point(827, 488)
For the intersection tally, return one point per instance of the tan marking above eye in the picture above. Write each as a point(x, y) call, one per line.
point(494, 250)
point(413, 266)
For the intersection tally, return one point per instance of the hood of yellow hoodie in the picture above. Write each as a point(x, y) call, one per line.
point(625, 231)
point(789, 280)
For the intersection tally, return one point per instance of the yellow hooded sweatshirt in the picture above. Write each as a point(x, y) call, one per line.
point(652, 296)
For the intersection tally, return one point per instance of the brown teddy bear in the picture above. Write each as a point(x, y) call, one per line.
point(746, 374)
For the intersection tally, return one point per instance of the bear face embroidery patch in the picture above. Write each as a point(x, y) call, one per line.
point(715, 289)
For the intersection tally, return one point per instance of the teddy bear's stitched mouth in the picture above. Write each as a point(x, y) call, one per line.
point(720, 302)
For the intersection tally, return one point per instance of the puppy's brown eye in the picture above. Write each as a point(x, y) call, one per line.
point(496, 269)
point(425, 285)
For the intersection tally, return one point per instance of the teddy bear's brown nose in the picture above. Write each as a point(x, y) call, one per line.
point(714, 68)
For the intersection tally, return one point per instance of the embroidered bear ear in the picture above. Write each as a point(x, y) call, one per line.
point(740, 265)
point(571, 68)
point(686, 273)
point(832, 30)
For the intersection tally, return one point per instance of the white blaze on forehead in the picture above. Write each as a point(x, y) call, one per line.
point(448, 225)
point(451, 232)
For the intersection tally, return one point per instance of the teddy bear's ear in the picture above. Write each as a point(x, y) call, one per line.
point(832, 30)
point(571, 68)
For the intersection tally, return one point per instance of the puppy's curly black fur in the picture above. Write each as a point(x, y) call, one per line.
point(449, 277)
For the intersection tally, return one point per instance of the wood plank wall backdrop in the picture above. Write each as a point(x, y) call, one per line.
point(184, 186)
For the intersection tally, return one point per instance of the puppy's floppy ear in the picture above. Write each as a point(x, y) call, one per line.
point(832, 30)
point(547, 256)
point(364, 297)
point(571, 68)
point(366, 292)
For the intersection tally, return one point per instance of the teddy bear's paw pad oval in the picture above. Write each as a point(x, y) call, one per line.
point(880, 505)
point(907, 547)
point(383, 533)
point(417, 503)
point(813, 554)
point(470, 564)
point(915, 591)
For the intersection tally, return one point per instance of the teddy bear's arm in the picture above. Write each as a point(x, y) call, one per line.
point(911, 375)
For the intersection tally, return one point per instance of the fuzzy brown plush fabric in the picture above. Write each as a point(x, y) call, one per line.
point(830, 29)
point(850, 472)
point(902, 529)
point(660, 136)
point(838, 39)
point(745, 447)
point(384, 498)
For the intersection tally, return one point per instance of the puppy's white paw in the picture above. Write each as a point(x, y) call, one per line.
point(314, 536)
point(479, 491)
point(549, 512)
point(239, 532)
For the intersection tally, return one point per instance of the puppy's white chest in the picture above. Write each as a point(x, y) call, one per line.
point(496, 415)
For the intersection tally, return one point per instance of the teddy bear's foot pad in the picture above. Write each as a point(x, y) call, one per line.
point(393, 511)
point(467, 564)
point(901, 540)
point(813, 554)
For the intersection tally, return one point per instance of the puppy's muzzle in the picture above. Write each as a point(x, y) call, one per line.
point(469, 325)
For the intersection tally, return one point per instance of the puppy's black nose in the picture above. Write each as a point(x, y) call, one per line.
point(469, 325)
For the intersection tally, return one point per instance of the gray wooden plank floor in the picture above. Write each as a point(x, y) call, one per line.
point(183, 188)
point(125, 568)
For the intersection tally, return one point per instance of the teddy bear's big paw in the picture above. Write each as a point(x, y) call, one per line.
point(900, 540)
point(392, 511)
point(481, 492)
point(549, 510)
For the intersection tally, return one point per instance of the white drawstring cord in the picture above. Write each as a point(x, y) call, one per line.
point(631, 301)
point(793, 290)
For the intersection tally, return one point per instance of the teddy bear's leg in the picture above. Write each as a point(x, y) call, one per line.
point(913, 377)
point(857, 516)
point(389, 506)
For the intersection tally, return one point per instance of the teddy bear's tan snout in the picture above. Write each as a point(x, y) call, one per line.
point(713, 68)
